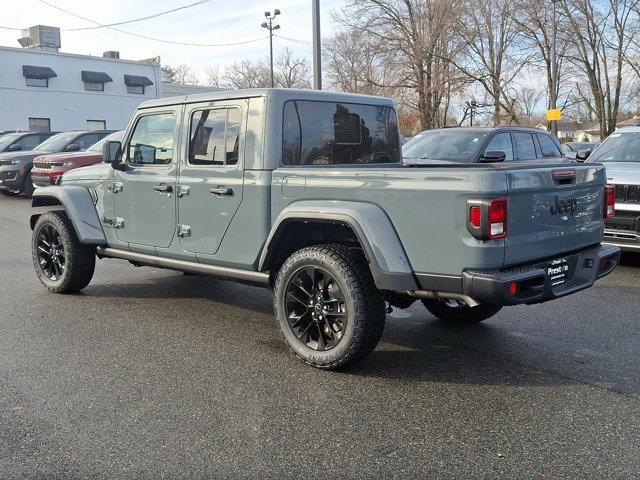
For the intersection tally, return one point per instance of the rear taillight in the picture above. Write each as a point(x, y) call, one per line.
point(497, 219)
point(487, 219)
point(609, 201)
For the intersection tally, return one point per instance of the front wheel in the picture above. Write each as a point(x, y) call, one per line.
point(459, 313)
point(327, 306)
point(62, 263)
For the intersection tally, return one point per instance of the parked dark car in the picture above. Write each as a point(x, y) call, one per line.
point(15, 167)
point(571, 149)
point(21, 141)
point(482, 145)
point(47, 169)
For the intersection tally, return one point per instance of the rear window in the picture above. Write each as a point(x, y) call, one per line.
point(524, 145)
point(548, 146)
point(329, 133)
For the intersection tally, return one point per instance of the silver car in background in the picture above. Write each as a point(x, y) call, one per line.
point(620, 153)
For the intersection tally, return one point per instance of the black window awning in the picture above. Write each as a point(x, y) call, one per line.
point(137, 81)
point(31, 71)
point(95, 77)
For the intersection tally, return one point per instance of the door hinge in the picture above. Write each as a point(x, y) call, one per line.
point(115, 187)
point(115, 222)
point(183, 190)
point(184, 231)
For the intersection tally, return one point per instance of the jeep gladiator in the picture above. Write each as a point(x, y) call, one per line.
point(305, 192)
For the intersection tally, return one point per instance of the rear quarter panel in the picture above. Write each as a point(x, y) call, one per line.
point(427, 207)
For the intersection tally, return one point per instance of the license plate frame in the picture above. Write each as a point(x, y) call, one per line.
point(557, 271)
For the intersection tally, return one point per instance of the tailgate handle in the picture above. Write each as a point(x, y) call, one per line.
point(564, 177)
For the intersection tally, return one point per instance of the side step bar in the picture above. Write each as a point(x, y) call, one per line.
point(182, 266)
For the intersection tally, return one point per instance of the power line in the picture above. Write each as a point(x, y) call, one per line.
point(295, 40)
point(190, 44)
point(140, 19)
point(10, 28)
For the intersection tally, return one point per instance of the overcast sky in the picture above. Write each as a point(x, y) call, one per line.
point(214, 22)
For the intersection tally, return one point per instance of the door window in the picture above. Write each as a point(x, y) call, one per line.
point(215, 137)
point(85, 141)
point(152, 140)
point(501, 142)
point(548, 146)
point(29, 142)
point(524, 145)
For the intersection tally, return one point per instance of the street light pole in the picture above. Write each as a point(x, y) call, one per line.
point(554, 69)
point(317, 64)
point(271, 27)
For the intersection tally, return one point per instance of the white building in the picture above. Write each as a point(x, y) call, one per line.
point(44, 89)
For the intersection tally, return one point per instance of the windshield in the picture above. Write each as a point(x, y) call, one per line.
point(6, 140)
point(57, 143)
point(618, 147)
point(444, 145)
point(114, 137)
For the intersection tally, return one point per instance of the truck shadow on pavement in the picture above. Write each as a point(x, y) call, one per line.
point(415, 347)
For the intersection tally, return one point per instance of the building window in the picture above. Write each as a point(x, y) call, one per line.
point(39, 124)
point(137, 89)
point(37, 82)
point(94, 87)
point(96, 125)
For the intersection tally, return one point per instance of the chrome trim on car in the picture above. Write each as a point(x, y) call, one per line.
point(183, 266)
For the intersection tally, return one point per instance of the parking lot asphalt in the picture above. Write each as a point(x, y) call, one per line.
point(153, 374)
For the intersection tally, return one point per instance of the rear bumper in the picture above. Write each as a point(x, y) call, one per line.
point(539, 282)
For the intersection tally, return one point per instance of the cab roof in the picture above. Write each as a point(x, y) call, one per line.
point(275, 94)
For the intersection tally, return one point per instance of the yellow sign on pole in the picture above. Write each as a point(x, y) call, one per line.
point(553, 114)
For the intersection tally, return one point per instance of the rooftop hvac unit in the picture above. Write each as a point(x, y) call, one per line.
point(41, 36)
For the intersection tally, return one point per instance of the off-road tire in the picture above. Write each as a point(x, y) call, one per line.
point(80, 260)
point(27, 185)
point(463, 315)
point(364, 303)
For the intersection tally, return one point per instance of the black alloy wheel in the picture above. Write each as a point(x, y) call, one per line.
point(50, 253)
point(316, 308)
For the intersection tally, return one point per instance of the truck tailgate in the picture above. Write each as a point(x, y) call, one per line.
point(553, 211)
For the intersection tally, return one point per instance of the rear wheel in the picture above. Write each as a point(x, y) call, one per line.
point(62, 263)
point(457, 312)
point(327, 306)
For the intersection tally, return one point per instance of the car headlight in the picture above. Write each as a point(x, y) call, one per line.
point(15, 162)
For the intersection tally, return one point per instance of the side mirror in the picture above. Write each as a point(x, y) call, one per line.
point(15, 147)
point(112, 152)
point(582, 155)
point(72, 147)
point(493, 156)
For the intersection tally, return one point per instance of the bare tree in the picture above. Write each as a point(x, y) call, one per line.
point(214, 78)
point(289, 72)
point(182, 74)
point(600, 36)
point(414, 40)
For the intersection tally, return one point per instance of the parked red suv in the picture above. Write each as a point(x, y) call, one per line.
point(47, 169)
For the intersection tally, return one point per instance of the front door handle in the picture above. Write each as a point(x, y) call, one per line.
point(163, 188)
point(221, 191)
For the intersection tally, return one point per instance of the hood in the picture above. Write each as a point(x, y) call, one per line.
point(24, 156)
point(623, 173)
point(91, 172)
point(70, 156)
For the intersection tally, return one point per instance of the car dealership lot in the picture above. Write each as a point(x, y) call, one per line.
point(153, 374)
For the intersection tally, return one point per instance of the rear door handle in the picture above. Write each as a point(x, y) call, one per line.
point(163, 188)
point(221, 191)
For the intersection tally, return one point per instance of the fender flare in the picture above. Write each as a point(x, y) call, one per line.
point(383, 249)
point(78, 204)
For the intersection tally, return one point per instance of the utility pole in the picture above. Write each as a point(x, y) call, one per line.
point(271, 27)
point(554, 70)
point(317, 63)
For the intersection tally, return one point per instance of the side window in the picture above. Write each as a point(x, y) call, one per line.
point(30, 142)
point(548, 146)
point(85, 141)
point(524, 146)
point(152, 140)
point(501, 142)
point(328, 133)
point(215, 137)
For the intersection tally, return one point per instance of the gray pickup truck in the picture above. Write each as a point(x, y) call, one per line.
point(305, 192)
